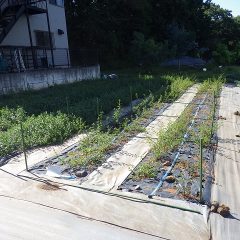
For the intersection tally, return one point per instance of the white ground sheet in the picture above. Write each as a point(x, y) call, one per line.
point(226, 189)
point(151, 219)
point(112, 173)
point(22, 220)
point(148, 218)
point(17, 164)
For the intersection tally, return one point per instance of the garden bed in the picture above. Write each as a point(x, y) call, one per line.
point(103, 141)
point(51, 116)
point(172, 168)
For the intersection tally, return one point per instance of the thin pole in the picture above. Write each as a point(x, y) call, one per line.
point(67, 103)
point(68, 58)
point(24, 146)
point(98, 108)
point(49, 34)
point(131, 99)
point(201, 169)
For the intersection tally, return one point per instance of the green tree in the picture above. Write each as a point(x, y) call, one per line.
point(182, 40)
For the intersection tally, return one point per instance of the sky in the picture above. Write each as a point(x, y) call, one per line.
point(233, 5)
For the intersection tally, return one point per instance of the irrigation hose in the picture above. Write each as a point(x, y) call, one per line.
point(178, 153)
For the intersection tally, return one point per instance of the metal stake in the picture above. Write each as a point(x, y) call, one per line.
point(67, 105)
point(201, 168)
point(131, 99)
point(24, 146)
point(98, 108)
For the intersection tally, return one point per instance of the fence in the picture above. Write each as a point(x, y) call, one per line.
point(21, 59)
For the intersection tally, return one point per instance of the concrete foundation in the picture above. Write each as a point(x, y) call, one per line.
point(36, 80)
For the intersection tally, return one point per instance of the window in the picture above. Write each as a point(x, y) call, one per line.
point(57, 2)
point(42, 39)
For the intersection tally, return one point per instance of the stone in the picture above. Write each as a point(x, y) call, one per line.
point(195, 188)
point(177, 172)
point(222, 118)
point(167, 164)
point(138, 188)
point(81, 174)
point(214, 206)
point(127, 190)
point(237, 113)
point(223, 210)
point(170, 179)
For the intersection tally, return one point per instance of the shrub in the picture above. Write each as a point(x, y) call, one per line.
point(41, 130)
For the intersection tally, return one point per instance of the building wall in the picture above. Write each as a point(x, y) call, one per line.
point(19, 36)
point(35, 80)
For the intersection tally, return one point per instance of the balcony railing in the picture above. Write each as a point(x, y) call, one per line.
point(21, 59)
point(12, 3)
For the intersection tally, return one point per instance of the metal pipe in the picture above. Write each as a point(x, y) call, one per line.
point(131, 99)
point(67, 104)
point(49, 34)
point(178, 153)
point(201, 169)
point(23, 145)
point(98, 107)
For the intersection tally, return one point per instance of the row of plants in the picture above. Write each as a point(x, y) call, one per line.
point(186, 169)
point(53, 115)
point(40, 130)
point(101, 142)
point(82, 99)
point(46, 128)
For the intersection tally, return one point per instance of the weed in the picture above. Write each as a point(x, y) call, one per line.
point(146, 170)
point(40, 130)
point(212, 85)
point(182, 186)
point(91, 150)
point(117, 113)
point(171, 137)
point(134, 127)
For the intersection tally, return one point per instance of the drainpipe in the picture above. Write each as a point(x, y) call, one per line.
point(50, 36)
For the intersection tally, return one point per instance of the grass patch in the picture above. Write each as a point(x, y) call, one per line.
point(91, 150)
point(40, 130)
point(95, 147)
point(212, 85)
point(145, 170)
point(170, 138)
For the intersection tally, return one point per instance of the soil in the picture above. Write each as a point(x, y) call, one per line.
point(41, 167)
point(49, 187)
point(183, 181)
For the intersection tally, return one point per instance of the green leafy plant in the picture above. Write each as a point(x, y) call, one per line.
point(146, 170)
point(117, 113)
point(91, 150)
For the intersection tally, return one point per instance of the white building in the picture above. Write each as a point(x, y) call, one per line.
point(26, 27)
